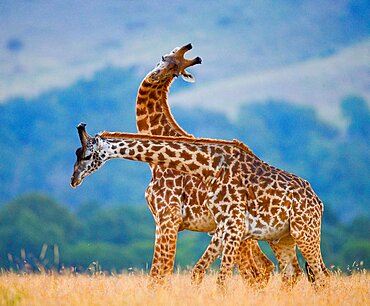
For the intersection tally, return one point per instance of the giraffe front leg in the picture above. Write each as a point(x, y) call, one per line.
point(209, 256)
point(156, 270)
point(169, 246)
point(165, 244)
point(168, 218)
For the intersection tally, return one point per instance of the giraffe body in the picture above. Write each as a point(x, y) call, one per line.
point(188, 193)
point(280, 207)
point(194, 219)
point(235, 178)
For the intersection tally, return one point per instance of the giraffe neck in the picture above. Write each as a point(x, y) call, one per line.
point(153, 114)
point(181, 154)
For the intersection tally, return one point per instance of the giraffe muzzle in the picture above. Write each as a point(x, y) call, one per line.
point(75, 182)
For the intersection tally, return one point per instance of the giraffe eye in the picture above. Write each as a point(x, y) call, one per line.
point(163, 58)
point(87, 157)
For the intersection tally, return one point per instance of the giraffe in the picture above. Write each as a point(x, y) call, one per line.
point(248, 197)
point(186, 210)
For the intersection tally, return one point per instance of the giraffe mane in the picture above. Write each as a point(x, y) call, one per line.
point(242, 146)
point(187, 139)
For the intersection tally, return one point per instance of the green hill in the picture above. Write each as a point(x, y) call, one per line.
point(39, 139)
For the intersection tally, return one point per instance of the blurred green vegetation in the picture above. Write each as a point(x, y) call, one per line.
point(35, 229)
point(39, 140)
point(106, 221)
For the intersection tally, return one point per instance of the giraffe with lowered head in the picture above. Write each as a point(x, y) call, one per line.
point(176, 199)
point(248, 198)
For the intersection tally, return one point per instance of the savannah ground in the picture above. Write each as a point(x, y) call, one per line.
point(125, 289)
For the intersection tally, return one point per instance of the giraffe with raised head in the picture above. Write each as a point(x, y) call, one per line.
point(176, 199)
point(248, 198)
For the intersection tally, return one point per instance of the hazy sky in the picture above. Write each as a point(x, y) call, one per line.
point(47, 44)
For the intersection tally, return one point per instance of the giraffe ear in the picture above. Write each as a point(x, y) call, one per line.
point(188, 77)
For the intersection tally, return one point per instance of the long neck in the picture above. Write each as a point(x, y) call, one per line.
point(192, 158)
point(153, 114)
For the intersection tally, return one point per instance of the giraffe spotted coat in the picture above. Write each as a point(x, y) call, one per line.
point(248, 198)
point(177, 200)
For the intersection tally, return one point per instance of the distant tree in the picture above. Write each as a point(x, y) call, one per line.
point(31, 221)
point(286, 135)
point(121, 225)
point(201, 123)
point(82, 254)
point(117, 237)
point(190, 247)
point(360, 228)
point(357, 246)
point(356, 253)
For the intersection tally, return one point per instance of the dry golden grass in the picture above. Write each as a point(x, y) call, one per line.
point(132, 290)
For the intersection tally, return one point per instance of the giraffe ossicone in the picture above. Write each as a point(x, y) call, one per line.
point(249, 198)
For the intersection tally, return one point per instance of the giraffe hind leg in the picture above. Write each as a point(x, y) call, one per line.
point(285, 253)
point(209, 256)
point(307, 237)
point(253, 265)
point(312, 254)
point(232, 237)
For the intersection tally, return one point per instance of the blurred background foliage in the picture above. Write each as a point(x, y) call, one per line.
point(120, 238)
point(108, 222)
point(106, 219)
point(334, 160)
point(288, 78)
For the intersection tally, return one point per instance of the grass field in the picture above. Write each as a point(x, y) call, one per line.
point(132, 290)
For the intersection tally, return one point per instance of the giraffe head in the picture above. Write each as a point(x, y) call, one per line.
point(174, 65)
point(88, 157)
